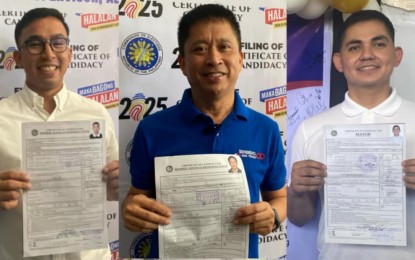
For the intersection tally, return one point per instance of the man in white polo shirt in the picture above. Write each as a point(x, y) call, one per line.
point(44, 54)
point(367, 57)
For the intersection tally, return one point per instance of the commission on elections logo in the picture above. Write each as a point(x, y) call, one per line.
point(35, 132)
point(140, 247)
point(141, 53)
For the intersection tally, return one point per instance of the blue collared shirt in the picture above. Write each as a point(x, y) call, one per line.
point(183, 129)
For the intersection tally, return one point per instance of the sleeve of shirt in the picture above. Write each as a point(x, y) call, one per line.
point(141, 162)
point(297, 148)
point(275, 178)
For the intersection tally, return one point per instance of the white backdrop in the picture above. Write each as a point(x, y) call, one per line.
point(93, 72)
point(403, 77)
point(159, 83)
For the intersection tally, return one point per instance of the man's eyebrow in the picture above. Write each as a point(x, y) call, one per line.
point(376, 38)
point(352, 42)
point(200, 41)
point(38, 37)
point(33, 37)
point(380, 37)
point(205, 41)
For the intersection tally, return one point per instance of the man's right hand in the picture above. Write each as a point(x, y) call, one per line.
point(11, 184)
point(306, 176)
point(144, 214)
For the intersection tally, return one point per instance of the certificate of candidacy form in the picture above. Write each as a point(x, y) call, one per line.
point(365, 198)
point(204, 195)
point(64, 211)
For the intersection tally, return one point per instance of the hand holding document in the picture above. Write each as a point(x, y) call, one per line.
point(64, 211)
point(204, 194)
point(364, 195)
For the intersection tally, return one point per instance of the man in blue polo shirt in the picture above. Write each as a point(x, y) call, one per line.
point(211, 118)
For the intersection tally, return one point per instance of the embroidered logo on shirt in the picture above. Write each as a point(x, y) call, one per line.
point(251, 154)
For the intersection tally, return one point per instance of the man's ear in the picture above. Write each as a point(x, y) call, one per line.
point(182, 64)
point(337, 61)
point(17, 58)
point(398, 56)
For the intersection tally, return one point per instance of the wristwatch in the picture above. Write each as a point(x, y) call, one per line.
point(277, 221)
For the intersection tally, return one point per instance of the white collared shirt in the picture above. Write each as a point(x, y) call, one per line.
point(27, 106)
point(308, 143)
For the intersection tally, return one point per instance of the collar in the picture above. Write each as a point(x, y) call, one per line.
point(36, 101)
point(387, 108)
point(191, 112)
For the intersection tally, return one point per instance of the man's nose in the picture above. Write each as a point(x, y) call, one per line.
point(214, 57)
point(47, 51)
point(367, 51)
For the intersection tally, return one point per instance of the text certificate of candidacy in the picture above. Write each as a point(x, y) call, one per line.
point(365, 198)
point(64, 211)
point(204, 195)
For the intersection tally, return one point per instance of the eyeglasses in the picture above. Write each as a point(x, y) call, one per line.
point(37, 46)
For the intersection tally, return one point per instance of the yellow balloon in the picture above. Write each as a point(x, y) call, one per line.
point(349, 6)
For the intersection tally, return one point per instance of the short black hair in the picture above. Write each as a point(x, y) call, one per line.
point(36, 14)
point(397, 127)
point(365, 16)
point(95, 123)
point(232, 157)
point(205, 13)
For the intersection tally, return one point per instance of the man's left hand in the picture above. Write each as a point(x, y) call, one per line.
point(259, 216)
point(110, 176)
point(408, 167)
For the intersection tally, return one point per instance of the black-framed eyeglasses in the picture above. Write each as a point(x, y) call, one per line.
point(36, 46)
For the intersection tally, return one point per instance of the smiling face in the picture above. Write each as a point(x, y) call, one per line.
point(212, 60)
point(44, 71)
point(95, 128)
point(233, 163)
point(396, 130)
point(367, 56)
